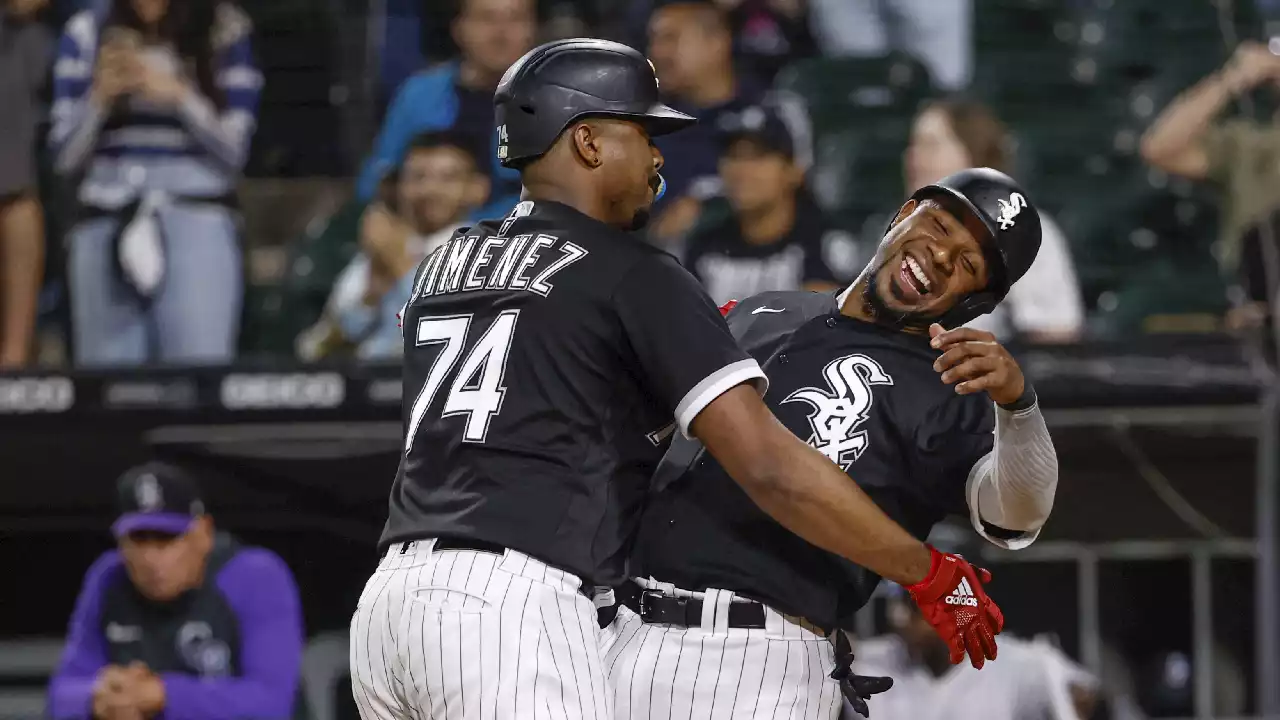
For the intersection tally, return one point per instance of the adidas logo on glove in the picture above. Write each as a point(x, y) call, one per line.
point(962, 595)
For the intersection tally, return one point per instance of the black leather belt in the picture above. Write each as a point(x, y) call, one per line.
point(654, 607)
point(457, 543)
point(452, 543)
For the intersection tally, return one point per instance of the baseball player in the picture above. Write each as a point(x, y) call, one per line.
point(549, 356)
point(730, 611)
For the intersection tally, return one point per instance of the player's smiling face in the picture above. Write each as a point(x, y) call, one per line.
point(929, 261)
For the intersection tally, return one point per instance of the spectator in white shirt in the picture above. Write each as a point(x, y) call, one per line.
point(1045, 307)
point(1030, 678)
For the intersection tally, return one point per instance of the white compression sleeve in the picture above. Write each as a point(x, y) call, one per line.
point(1012, 487)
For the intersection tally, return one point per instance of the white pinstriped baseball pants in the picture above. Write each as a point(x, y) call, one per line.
point(714, 672)
point(466, 635)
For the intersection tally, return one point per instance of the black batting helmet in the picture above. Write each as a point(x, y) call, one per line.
point(559, 83)
point(1013, 232)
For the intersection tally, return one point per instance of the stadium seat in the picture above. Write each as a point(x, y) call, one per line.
point(844, 92)
point(25, 668)
point(861, 110)
point(325, 664)
point(275, 315)
point(1131, 239)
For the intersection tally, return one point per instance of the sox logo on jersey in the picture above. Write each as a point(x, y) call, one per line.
point(842, 406)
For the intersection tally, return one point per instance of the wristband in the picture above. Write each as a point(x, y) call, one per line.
point(1026, 402)
point(935, 561)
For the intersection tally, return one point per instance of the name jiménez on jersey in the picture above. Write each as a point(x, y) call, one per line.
point(466, 264)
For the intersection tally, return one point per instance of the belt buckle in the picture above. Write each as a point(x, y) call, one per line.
point(646, 596)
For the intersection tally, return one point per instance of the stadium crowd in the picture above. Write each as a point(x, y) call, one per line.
point(131, 160)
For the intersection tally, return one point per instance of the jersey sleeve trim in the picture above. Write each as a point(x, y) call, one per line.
point(715, 385)
point(981, 472)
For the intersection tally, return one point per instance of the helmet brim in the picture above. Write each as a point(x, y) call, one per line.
point(991, 246)
point(664, 120)
point(935, 191)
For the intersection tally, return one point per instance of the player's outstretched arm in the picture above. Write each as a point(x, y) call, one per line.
point(813, 498)
point(802, 489)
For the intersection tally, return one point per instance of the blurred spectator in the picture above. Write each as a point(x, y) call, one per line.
point(492, 34)
point(154, 111)
point(440, 184)
point(1030, 679)
point(767, 34)
point(691, 46)
point(180, 621)
point(25, 54)
point(937, 32)
point(774, 237)
point(951, 135)
point(1240, 156)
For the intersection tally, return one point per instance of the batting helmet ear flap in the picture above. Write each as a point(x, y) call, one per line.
point(968, 308)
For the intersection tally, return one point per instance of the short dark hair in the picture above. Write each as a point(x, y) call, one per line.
point(466, 143)
point(469, 145)
point(707, 13)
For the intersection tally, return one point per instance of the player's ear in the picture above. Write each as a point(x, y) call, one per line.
point(586, 144)
point(907, 208)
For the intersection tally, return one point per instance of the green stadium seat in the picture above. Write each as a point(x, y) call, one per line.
point(843, 92)
point(1164, 296)
point(275, 315)
point(861, 111)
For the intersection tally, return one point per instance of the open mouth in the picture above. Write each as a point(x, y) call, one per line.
point(913, 280)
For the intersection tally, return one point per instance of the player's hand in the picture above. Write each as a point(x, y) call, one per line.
point(974, 361)
point(953, 601)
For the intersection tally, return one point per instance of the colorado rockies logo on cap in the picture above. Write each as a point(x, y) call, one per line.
point(147, 493)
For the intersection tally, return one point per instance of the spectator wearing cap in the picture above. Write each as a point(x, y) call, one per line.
point(180, 621)
point(441, 182)
point(767, 233)
point(458, 95)
point(691, 46)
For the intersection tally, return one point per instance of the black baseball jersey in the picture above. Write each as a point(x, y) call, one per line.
point(731, 268)
point(546, 356)
point(865, 396)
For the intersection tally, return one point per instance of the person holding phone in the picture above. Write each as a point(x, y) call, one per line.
point(154, 109)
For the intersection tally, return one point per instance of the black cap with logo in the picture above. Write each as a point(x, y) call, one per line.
point(157, 497)
point(760, 124)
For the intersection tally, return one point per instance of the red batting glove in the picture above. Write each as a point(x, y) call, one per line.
point(952, 599)
point(726, 308)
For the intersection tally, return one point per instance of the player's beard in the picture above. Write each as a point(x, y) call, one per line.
point(887, 316)
point(640, 219)
point(642, 215)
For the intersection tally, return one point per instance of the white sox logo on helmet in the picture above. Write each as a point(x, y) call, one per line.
point(1010, 210)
